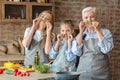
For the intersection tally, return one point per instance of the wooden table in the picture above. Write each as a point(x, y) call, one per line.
point(11, 58)
point(33, 76)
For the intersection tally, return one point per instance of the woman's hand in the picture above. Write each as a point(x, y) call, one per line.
point(36, 22)
point(49, 27)
point(96, 26)
point(81, 26)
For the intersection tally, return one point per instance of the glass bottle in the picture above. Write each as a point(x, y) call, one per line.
point(36, 59)
point(46, 1)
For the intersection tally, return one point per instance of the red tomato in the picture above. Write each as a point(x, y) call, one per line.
point(19, 72)
point(1, 71)
point(28, 74)
point(24, 74)
point(15, 70)
point(15, 74)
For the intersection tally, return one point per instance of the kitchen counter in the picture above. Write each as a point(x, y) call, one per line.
point(33, 76)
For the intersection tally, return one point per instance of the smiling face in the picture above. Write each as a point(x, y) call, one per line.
point(45, 16)
point(65, 31)
point(89, 16)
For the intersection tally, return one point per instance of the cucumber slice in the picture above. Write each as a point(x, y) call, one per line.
point(89, 22)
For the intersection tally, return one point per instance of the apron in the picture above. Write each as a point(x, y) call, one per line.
point(93, 62)
point(61, 62)
point(31, 51)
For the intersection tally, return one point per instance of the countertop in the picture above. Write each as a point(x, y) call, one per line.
point(33, 76)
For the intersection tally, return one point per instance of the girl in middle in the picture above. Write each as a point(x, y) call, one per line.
point(61, 47)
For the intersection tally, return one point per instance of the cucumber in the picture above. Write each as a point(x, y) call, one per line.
point(10, 72)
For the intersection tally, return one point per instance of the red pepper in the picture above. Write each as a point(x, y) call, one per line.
point(1, 71)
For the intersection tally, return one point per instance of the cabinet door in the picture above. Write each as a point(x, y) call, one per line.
point(14, 12)
point(0, 11)
point(36, 8)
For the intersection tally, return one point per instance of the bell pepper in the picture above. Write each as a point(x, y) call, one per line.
point(8, 65)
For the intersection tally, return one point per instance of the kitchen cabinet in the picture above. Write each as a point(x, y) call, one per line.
point(15, 11)
point(0, 11)
point(36, 8)
point(23, 10)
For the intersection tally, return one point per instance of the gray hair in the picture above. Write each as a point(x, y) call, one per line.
point(88, 9)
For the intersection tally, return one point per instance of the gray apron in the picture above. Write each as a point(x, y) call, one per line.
point(61, 62)
point(93, 62)
point(31, 51)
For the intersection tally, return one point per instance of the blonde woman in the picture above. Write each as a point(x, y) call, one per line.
point(39, 37)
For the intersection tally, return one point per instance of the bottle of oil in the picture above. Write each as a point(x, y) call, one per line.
point(36, 59)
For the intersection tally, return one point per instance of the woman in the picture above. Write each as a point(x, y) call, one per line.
point(38, 38)
point(93, 46)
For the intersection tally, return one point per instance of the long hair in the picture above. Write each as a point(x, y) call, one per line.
point(52, 22)
point(52, 16)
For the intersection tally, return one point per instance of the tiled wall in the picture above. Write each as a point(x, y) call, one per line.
point(108, 14)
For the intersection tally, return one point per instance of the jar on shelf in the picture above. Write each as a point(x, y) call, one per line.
point(10, 0)
point(16, 0)
point(41, 1)
point(46, 1)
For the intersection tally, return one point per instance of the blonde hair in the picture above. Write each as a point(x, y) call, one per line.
point(70, 23)
point(50, 12)
point(52, 22)
point(88, 9)
point(67, 22)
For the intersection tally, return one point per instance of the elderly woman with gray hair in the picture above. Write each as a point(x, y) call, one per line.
point(93, 46)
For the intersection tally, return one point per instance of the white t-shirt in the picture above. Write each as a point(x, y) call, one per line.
point(34, 46)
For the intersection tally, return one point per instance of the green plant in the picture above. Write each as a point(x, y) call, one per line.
point(42, 68)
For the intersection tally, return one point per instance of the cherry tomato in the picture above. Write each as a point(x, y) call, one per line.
point(28, 74)
point(21, 75)
point(1, 71)
point(24, 74)
point(15, 74)
point(19, 72)
point(15, 70)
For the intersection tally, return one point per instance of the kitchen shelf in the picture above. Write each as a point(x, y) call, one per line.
point(37, 8)
point(24, 11)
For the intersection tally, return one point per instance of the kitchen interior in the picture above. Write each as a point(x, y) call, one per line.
point(17, 15)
